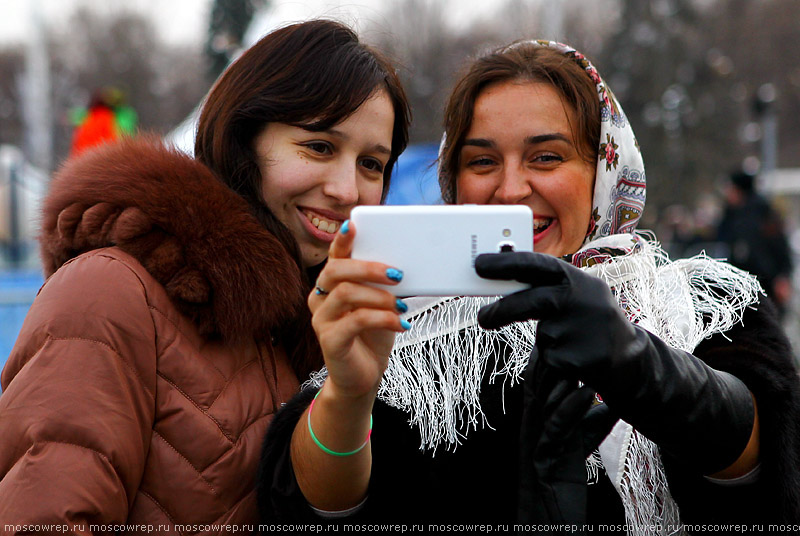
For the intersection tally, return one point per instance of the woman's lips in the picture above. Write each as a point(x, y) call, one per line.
point(541, 228)
point(321, 226)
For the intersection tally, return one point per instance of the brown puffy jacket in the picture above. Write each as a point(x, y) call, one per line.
point(150, 364)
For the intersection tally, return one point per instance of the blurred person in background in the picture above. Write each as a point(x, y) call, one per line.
point(173, 323)
point(754, 235)
point(106, 119)
point(676, 230)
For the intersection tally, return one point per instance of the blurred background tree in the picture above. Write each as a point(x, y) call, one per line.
point(11, 65)
point(162, 82)
point(227, 26)
point(686, 71)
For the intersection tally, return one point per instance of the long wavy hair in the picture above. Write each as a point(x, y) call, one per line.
point(312, 74)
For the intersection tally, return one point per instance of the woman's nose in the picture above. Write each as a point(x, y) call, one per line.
point(514, 187)
point(342, 184)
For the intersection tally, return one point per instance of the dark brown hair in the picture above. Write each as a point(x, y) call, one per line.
point(312, 74)
point(522, 61)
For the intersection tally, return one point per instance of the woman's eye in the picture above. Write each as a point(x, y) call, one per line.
point(547, 158)
point(319, 147)
point(481, 161)
point(372, 164)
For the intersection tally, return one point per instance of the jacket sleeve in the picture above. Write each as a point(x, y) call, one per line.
point(476, 482)
point(399, 483)
point(77, 405)
point(758, 353)
point(279, 496)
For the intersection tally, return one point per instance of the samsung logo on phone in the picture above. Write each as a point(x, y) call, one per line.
point(473, 247)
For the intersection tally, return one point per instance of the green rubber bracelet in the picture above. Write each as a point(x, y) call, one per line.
point(326, 449)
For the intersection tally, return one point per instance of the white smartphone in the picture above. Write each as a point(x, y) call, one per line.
point(435, 245)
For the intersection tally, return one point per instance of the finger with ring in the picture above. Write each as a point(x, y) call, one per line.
point(321, 291)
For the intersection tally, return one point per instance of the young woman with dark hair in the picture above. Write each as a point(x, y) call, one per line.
point(173, 323)
point(655, 393)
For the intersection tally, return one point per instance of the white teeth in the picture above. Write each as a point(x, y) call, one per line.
point(541, 225)
point(323, 225)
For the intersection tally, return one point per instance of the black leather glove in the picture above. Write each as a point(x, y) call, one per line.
point(701, 416)
point(560, 428)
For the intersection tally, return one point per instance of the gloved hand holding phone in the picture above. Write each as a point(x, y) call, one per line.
point(701, 416)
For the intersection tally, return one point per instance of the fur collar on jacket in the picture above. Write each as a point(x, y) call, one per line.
point(198, 238)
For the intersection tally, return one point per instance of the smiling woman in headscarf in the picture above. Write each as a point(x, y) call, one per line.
point(669, 386)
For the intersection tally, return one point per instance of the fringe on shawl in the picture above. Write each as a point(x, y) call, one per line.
point(435, 369)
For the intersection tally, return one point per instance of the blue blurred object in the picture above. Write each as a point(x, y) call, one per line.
point(18, 288)
point(414, 180)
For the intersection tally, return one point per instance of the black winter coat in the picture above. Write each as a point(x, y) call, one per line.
point(478, 481)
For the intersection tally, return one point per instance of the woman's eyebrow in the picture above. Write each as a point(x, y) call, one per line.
point(530, 140)
point(378, 148)
point(541, 138)
point(480, 142)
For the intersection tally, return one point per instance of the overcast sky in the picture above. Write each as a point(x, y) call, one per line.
point(176, 20)
point(186, 21)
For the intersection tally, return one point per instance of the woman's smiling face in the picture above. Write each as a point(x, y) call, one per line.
point(520, 149)
point(312, 180)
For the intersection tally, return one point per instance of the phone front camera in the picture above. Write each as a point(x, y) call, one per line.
point(506, 247)
point(506, 232)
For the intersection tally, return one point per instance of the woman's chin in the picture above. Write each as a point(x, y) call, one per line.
point(312, 256)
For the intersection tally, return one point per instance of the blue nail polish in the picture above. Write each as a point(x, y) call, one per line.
point(401, 306)
point(345, 227)
point(406, 325)
point(394, 274)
